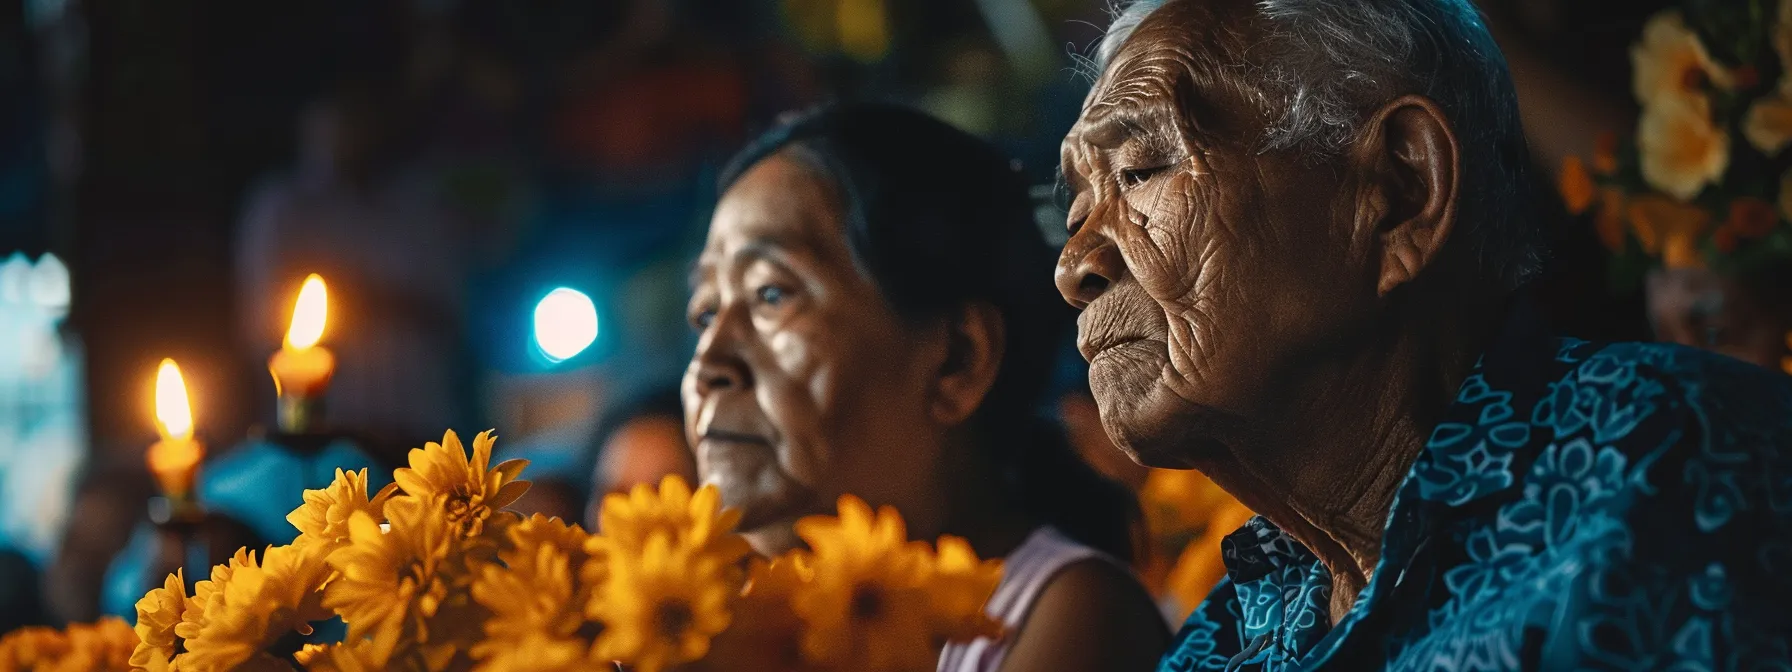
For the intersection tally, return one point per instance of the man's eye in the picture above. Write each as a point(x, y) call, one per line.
point(771, 295)
point(1131, 177)
point(703, 319)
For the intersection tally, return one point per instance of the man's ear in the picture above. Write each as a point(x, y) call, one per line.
point(1415, 170)
point(975, 340)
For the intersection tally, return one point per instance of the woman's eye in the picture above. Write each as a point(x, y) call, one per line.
point(703, 319)
point(771, 295)
point(1131, 177)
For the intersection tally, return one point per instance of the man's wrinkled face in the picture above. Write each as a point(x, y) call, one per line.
point(1206, 271)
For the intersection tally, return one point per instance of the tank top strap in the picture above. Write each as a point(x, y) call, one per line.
point(1025, 574)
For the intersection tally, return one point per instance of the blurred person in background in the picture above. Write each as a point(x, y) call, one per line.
point(639, 442)
point(394, 253)
point(873, 320)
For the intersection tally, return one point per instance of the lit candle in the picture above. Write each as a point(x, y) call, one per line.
point(302, 368)
point(174, 459)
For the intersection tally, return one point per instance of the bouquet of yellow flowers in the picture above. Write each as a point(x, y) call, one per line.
point(1708, 180)
point(430, 573)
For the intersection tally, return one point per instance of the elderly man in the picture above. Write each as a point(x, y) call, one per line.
point(1298, 238)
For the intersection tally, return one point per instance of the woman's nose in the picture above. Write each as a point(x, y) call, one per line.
point(717, 374)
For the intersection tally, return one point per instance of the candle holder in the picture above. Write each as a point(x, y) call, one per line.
point(299, 415)
point(302, 369)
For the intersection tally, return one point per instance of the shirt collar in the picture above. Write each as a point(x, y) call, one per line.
point(1468, 457)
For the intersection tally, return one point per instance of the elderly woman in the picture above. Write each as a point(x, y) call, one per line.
point(1298, 235)
point(874, 319)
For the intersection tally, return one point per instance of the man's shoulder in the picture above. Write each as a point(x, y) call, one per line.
point(1616, 390)
point(1669, 427)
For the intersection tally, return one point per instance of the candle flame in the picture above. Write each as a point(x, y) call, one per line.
point(172, 410)
point(308, 314)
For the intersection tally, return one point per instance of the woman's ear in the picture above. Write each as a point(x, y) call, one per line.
point(975, 341)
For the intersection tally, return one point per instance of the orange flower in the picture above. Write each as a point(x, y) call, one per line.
point(1199, 568)
point(1669, 229)
point(1605, 153)
point(1749, 218)
point(1576, 185)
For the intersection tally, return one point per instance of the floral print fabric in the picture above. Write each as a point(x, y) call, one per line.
point(1581, 506)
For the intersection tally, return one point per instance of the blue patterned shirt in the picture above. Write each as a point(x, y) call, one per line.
point(1581, 506)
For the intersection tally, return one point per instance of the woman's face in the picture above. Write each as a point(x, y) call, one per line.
point(805, 384)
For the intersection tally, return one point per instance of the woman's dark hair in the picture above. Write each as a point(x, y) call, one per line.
point(940, 219)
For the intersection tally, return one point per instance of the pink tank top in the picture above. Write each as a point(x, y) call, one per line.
point(1026, 571)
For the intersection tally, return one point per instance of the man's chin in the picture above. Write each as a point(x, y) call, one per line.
point(1157, 429)
point(774, 538)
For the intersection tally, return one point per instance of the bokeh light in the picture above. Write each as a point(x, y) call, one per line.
point(565, 324)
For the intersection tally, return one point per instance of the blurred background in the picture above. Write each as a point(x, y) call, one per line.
point(505, 199)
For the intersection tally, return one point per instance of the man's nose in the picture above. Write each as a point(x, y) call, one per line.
point(1089, 265)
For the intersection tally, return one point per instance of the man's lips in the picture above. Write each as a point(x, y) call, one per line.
point(1095, 346)
point(728, 436)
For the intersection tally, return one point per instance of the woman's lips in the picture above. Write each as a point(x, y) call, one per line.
point(745, 468)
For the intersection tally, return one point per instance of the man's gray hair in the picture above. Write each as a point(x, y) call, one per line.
point(1323, 65)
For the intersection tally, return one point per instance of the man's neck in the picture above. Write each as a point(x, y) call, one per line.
point(1327, 470)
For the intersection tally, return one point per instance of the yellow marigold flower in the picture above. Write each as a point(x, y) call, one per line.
point(537, 652)
point(1681, 150)
point(324, 516)
point(31, 648)
point(766, 636)
point(533, 599)
point(157, 614)
point(390, 584)
point(105, 644)
point(867, 603)
point(208, 596)
point(260, 603)
point(357, 656)
point(542, 530)
point(662, 604)
point(958, 585)
point(101, 646)
point(472, 493)
point(1671, 65)
point(696, 519)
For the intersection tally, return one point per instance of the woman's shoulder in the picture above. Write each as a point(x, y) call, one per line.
point(1081, 606)
point(1091, 614)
